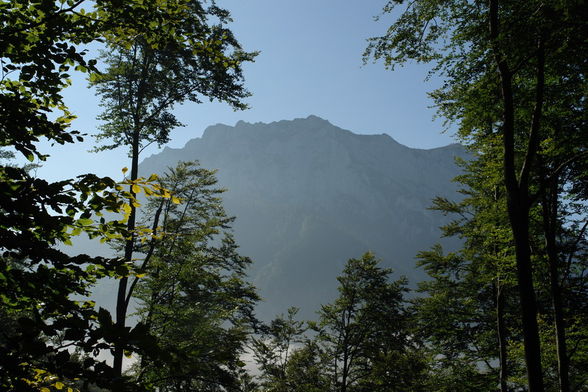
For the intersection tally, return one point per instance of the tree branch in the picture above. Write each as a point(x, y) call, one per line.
point(149, 253)
point(536, 120)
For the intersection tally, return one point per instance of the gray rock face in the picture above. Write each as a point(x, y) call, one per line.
point(309, 195)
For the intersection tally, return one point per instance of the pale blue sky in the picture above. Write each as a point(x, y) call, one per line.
point(310, 63)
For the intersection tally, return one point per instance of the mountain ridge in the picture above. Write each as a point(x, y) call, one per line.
point(309, 195)
point(211, 129)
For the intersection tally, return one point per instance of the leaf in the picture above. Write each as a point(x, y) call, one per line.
point(85, 221)
point(136, 188)
point(125, 169)
point(126, 209)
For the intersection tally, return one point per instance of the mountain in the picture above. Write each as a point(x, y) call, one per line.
point(309, 195)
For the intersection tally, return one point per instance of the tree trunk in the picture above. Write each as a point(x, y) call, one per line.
point(501, 330)
point(345, 369)
point(121, 302)
point(550, 203)
point(528, 302)
point(517, 190)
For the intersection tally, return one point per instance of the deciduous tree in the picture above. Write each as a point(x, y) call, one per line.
point(501, 61)
point(147, 76)
point(40, 44)
point(191, 287)
point(273, 349)
point(365, 332)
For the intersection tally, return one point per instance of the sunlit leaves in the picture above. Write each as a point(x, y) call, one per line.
point(44, 381)
point(41, 44)
point(113, 197)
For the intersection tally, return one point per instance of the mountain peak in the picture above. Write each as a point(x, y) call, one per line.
point(310, 120)
point(314, 119)
point(312, 123)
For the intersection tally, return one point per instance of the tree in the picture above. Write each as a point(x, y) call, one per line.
point(364, 332)
point(501, 60)
point(40, 43)
point(193, 294)
point(361, 342)
point(147, 76)
point(468, 307)
point(561, 181)
point(305, 369)
point(33, 354)
point(273, 349)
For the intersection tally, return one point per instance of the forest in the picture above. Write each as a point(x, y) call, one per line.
point(508, 311)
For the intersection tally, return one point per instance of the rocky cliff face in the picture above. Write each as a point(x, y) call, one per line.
point(308, 196)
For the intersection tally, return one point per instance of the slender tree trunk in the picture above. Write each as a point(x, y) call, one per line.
point(345, 369)
point(123, 292)
point(518, 198)
point(345, 365)
point(550, 204)
point(501, 330)
point(500, 322)
point(528, 303)
point(121, 303)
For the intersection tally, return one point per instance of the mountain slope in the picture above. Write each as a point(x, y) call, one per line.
point(308, 195)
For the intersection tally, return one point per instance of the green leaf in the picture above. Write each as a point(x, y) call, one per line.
point(85, 221)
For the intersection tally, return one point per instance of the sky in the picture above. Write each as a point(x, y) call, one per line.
point(310, 62)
